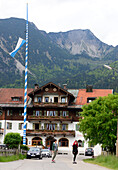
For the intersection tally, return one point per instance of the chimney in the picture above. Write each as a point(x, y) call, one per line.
point(89, 88)
point(65, 86)
point(36, 86)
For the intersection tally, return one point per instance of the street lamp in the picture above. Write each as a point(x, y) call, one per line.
point(110, 68)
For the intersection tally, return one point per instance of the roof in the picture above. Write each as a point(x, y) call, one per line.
point(49, 84)
point(6, 95)
point(74, 92)
point(83, 95)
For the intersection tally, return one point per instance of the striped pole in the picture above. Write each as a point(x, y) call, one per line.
point(25, 93)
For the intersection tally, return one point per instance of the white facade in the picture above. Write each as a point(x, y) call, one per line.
point(71, 139)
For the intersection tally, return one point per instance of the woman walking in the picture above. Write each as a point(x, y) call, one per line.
point(75, 151)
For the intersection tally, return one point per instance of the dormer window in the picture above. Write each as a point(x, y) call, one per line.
point(46, 99)
point(39, 99)
point(16, 98)
point(90, 99)
point(63, 99)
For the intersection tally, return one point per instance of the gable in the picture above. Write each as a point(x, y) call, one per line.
point(50, 88)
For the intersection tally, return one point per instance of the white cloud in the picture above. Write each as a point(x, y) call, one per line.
point(100, 16)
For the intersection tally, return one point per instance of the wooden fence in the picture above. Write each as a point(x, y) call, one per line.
point(9, 152)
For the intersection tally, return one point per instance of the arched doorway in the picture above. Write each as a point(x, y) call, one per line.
point(37, 141)
point(63, 142)
point(49, 141)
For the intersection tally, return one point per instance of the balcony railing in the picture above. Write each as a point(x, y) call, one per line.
point(50, 118)
point(50, 132)
point(59, 104)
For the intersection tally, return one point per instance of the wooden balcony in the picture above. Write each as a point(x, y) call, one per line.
point(50, 132)
point(50, 104)
point(50, 118)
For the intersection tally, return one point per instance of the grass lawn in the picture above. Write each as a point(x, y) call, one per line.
point(12, 158)
point(109, 161)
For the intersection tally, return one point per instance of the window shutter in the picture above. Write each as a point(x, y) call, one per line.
point(67, 113)
point(11, 112)
point(56, 113)
point(40, 113)
point(45, 126)
point(66, 126)
point(39, 126)
point(44, 112)
point(60, 126)
point(33, 112)
point(19, 126)
point(33, 126)
point(55, 126)
point(60, 113)
point(10, 125)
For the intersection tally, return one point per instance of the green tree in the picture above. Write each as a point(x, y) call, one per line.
point(12, 140)
point(99, 123)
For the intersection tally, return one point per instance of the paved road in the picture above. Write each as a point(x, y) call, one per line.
point(63, 162)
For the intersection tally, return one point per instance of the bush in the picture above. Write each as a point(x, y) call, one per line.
point(12, 140)
point(24, 147)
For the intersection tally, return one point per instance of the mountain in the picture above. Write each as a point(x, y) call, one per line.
point(73, 57)
point(79, 41)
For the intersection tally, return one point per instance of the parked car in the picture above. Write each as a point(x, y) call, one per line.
point(89, 152)
point(34, 152)
point(46, 153)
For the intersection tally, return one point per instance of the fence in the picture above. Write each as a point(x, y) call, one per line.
point(9, 152)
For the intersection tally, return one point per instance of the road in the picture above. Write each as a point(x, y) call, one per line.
point(63, 162)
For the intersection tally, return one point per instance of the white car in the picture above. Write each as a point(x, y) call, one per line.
point(46, 153)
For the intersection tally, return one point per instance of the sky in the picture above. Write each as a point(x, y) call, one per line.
point(99, 16)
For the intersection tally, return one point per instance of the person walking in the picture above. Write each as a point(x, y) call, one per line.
point(54, 150)
point(75, 151)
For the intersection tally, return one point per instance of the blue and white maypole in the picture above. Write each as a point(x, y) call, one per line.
point(25, 93)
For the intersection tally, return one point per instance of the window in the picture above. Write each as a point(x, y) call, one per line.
point(36, 126)
point(80, 143)
point(20, 112)
point(39, 99)
point(15, 98)
point(21, 125)
point(63, 142)
point(0, 125)
point(37, 113)
point(90, 99)
point(36, 141)
point(63, 126)
point(64, 113)
point(50, 126)
point(77, 127)
point(9, 112)
point(9, 125)
point(63, 99)
point(51, 113)
point(46, 99)
point(55, 99)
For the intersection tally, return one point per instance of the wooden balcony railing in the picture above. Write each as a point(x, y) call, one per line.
point(46, 104)
point(50, 132)
point(50, 118)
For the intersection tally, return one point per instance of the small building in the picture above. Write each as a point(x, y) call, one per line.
point(52, 113)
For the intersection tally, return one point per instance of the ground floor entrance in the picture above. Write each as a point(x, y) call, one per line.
point(49, 142)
